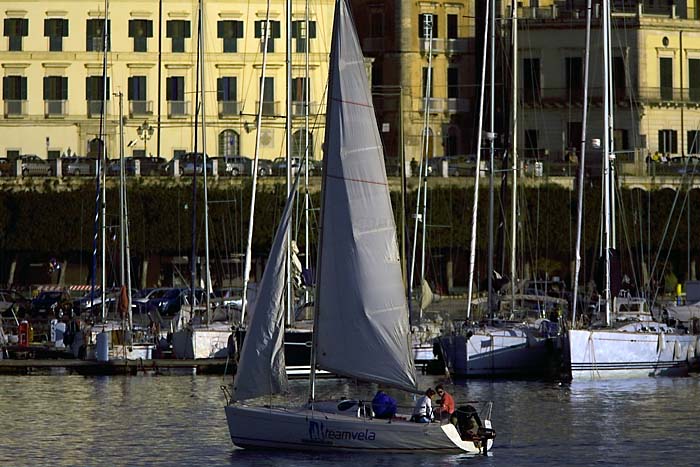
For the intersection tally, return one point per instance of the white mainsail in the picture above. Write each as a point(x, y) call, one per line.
point(361, 328)
point(261, 369)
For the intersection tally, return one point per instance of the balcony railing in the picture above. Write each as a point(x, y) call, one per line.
point(178, 109)
point(456, 46)
point(229, 108)
point(436, 45)
point(373, 44)
point(435, 104)
point(298, 108)
point(15, 108)
point(55, 108)
point(455, 105)
point(269, 108)
point(140, 108)
point(94, 108)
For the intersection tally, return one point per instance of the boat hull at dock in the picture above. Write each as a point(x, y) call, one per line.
point(312, 430)
point(607, 354)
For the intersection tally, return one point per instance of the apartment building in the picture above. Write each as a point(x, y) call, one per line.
point(52, 64)
point(656, 78)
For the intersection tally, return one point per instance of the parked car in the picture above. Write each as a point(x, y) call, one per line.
point(279, 166)
point(187, 164)
point(168, 301)
point(241, 165)
point(50, 300)
point(10, 299)
point(6, 167)
point(78, 165)
point(35, 165)
point(147, 166)
point(456, 166)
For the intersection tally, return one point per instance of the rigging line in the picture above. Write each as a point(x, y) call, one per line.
point(625, 231)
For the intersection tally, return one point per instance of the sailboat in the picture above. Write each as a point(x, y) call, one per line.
point(627, 342)
point(361, 327)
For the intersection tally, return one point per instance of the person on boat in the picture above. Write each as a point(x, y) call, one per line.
point(423, 411)
point(446, 404)
point(383, 405)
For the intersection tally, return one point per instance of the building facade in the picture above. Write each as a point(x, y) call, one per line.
point(656, 79)
point(52, 63)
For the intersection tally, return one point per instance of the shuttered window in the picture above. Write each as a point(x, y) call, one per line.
point(93, 38)
point(178, 31)
point(15, 29)
point(55, 29)
point(14, 88)
point(93, 88)
point(421, 25)
point(230, 32)
point(140, 30)
point(137, 88)
point(226, 89)
point(274, 33)
point(666, 78)
point(55, 88)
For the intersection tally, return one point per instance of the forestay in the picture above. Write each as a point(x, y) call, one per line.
point(261, 369)
point(362, 327)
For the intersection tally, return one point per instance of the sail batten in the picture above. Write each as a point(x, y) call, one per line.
point(361, 328)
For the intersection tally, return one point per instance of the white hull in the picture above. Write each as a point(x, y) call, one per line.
point(500, 353)
point(202, 342)
point(603, 354)
point(304, 429)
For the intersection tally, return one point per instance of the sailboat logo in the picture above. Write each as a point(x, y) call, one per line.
point(317, 433)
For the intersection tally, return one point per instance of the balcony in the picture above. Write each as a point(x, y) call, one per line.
point(269, 108)
point(140, 108)
point(94, 108)
point(436, 46)
point(373, 44)
point(457, 105)
point(55, 108)
point(298, 108)
point(457, 46)
point(229, 109)
point(435, 105)
point(178, 109)
point(15, 108)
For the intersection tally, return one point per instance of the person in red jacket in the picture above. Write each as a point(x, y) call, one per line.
point(446, 404)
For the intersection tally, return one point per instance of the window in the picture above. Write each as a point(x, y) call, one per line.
point(94, 39)
point(619, 78)
point(14, 93)
point(376, 23)
point(694, 142)
point(226, 94)
point(299, 89)
point(269, 97)
point(56, 30)
point(179, 153)
point(453, 83)
point(16, 29)
point(421, 25)
point(13, 154)
point(229, 143)
point(694, 79)
point(137, 95)
point(175, 95)
point(178, 31)
point(452, 27)
point(531, 79)
point(621, 140)
point(274, 34)
point(93, 88)
point(299, 33)
point(230, 32)
point(531, 143)
point(574, 133)
point(377, 73)
point(140, 30)
point(55, 95)
point(668, 141)
point(666, 78)
point(574, 78)
point(424, 88)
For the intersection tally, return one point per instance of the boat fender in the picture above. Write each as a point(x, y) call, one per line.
point(676, 351)
point(697, 347)
point(661, 346)
point(690, 354)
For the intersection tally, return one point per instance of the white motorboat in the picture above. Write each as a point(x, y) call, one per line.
point(361, 320)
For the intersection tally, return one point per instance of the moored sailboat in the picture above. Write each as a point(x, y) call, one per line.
point(361, 327)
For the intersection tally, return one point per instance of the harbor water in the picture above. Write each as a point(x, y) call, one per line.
point(65, 420)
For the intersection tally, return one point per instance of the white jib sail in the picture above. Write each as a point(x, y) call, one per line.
point(362, 324)
point(261, 368)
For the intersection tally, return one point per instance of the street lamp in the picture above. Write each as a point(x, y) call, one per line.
point(145, 132)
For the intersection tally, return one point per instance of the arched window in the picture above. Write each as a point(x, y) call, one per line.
point(229, 143)
point(95, 147)
point(299, 144)
point(451, 141)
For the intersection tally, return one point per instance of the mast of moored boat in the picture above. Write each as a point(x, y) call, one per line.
point(514, 152)
point(582, 162)
point(288, 147)
point(607, 186)
point(477, 173)
point(492, 154)
point(103, 166)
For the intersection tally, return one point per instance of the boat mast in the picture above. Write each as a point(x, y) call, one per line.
point(514, 152)
point(477, 172)
point(307, 97)
point(103, 165)
point(423, 168)
point(200, 55)
point(256, 157)
point(492, 149)
point(288, 146)
point(607, 122)
point(582, 160)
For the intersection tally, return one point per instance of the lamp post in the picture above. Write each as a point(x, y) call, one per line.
point(145, 132)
